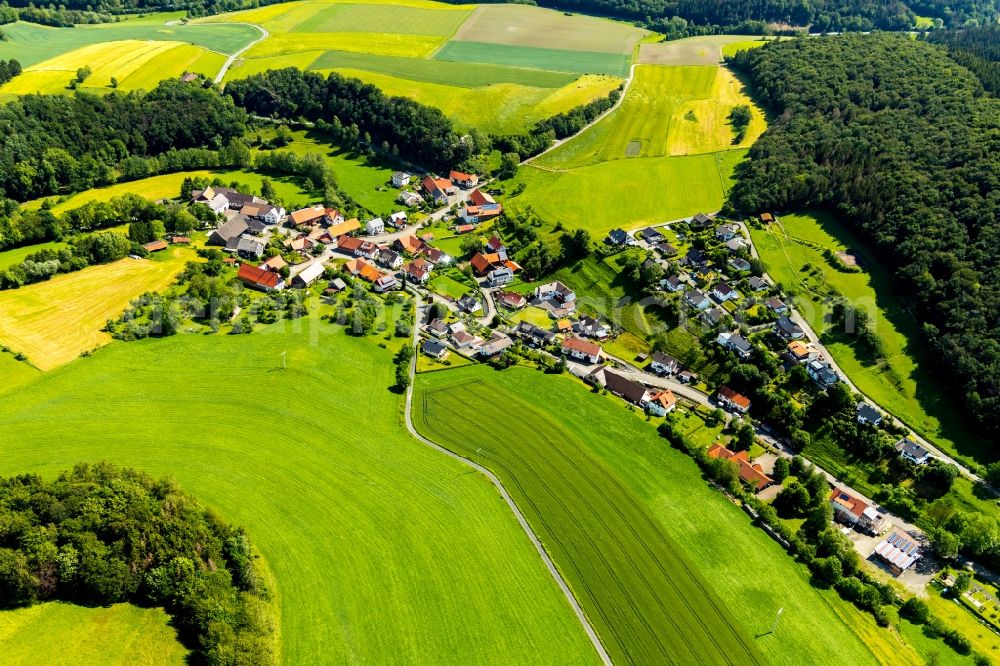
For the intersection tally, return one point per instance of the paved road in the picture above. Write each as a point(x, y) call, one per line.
point(264, 34)
point(536, 542)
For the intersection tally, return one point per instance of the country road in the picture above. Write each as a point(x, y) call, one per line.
point(536, 542)
point(264, 34)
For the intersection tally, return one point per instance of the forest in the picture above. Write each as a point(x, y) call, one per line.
point(102, 535)
point(976, 48)
point(52, 144)
point(901, 144)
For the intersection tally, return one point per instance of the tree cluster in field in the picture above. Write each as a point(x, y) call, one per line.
point(9, 69)
point(81, 227)
point(740, 118)
point(537, 255)
point(56, 17)
point(103, 535)
point(52, 144)
point(421, 133)
point(898, 140)
point(975, 48)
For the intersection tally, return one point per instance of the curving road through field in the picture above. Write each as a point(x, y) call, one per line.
point(264, 34)
point(536, 542)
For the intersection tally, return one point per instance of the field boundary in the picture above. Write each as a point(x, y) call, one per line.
point(522, 521)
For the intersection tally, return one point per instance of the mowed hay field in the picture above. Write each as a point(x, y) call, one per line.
point(902, 382)
point(384, 551)
point(703, 50)
point(135, 64)
point(52, 322)
point(443, 55)
point(607, 494)
point(118, 635)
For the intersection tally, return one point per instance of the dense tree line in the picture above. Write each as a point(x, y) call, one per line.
point(680, 18)
point(898, 140)
point(976, 48)
point(103, 535)
point(51, 144)
point(421, 133)
point(8, 70)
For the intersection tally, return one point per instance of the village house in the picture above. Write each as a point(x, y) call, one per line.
point(736, 343)
point(799, 352)
point(787, 329)
point(697, 300)
point(757, 284)
point(307, 217)
point(435, 349)
point(386, 282)
point(274, 264)
point(398, 219)
point(556, 291)
point(581, 350)
point(438, 188)
point(672, 284)
point(533, 335)
point(822, 373)
point(481, 207)
point(494, 244)
point(400, 179)
point(409, 198)
point(733, 401)
point(390, 259)
point(695, 258)
point(470, 304)
point(740, 265)
point(626, 389)
point(661, 403)
point(776, 306)
point(700, 221)
point(736, 245)
point(853, 511)
point(361, 268)
point(374, 227)
point(250, 248)
point(499, 277)
point(301, 244)
point(751, 473)
point(510, 300)
point(666, 249)
point(234, 228)
point(868, 415)
point(463, 180)
point(357, 247)
point(463, 339)
point(592, 328)
point(713, 316)
point(496, 345)
point(686, 377)
point(409, 244)
point(438, 328)
point(651, 235)
point(910, 450)
point(662, 364)
point(308, 275)
point(723, 292)
point(436, 256)
point(416, 271)
point(617, 237)
point(726, 232)
point(260, 279)
point(485, 265)
point(899, 552)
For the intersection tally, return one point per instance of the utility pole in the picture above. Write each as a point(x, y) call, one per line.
point(283, 366)
point(776, 618)
point(478, 451)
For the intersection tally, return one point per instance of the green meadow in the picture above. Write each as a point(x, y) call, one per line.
point(902, 381)
point(373, 538)
point(559, 60)
point(592, 477)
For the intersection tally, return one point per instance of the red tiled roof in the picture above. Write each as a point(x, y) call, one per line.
point(852, 504)
point(748, 471)
point(156, 246)
point(458, 175)
point(736, 398)
point(256, 276)
point(581, 345)
point(345, 242)
point(481, 263)
point(480, 198)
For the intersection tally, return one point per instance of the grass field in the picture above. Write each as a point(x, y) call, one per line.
point(553, 432)
point(15, 256)
point(135, 64)
point(31, 44)
point(383, 550)
point(703, 50)
point(446, 286)
point(15, 373)
point(642, 191)
point(904, 381)
point(119, 635)
point(667, 111)
point(521, 25)
point(52, 322)
point(559, 60)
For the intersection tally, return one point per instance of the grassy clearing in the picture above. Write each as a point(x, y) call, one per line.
point(903, 382)
point(135, 64)
point(643, 595)
point(733, 48)
point(521, 25)
point(31, 44)
point(643, 191)
point(745, 569)
point(53, 322)
point(372, 537)
point(703, 50)
point(667, 111)
point(15, 256)
point(446, 286)
point(15, 373)
point(559, 60)
point(465, 75)
point(76, 636)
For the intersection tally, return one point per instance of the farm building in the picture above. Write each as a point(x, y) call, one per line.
point(234, 228)
point(360, 267)
point(751, 473)
point(463, 180)
point(155, 246)
point(625, 388)
point(898, 551)
point(180, 240)
point(344, 227)
point(308, 275)
point(260, 279)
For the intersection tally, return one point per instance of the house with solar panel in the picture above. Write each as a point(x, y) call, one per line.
point(898, 551)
